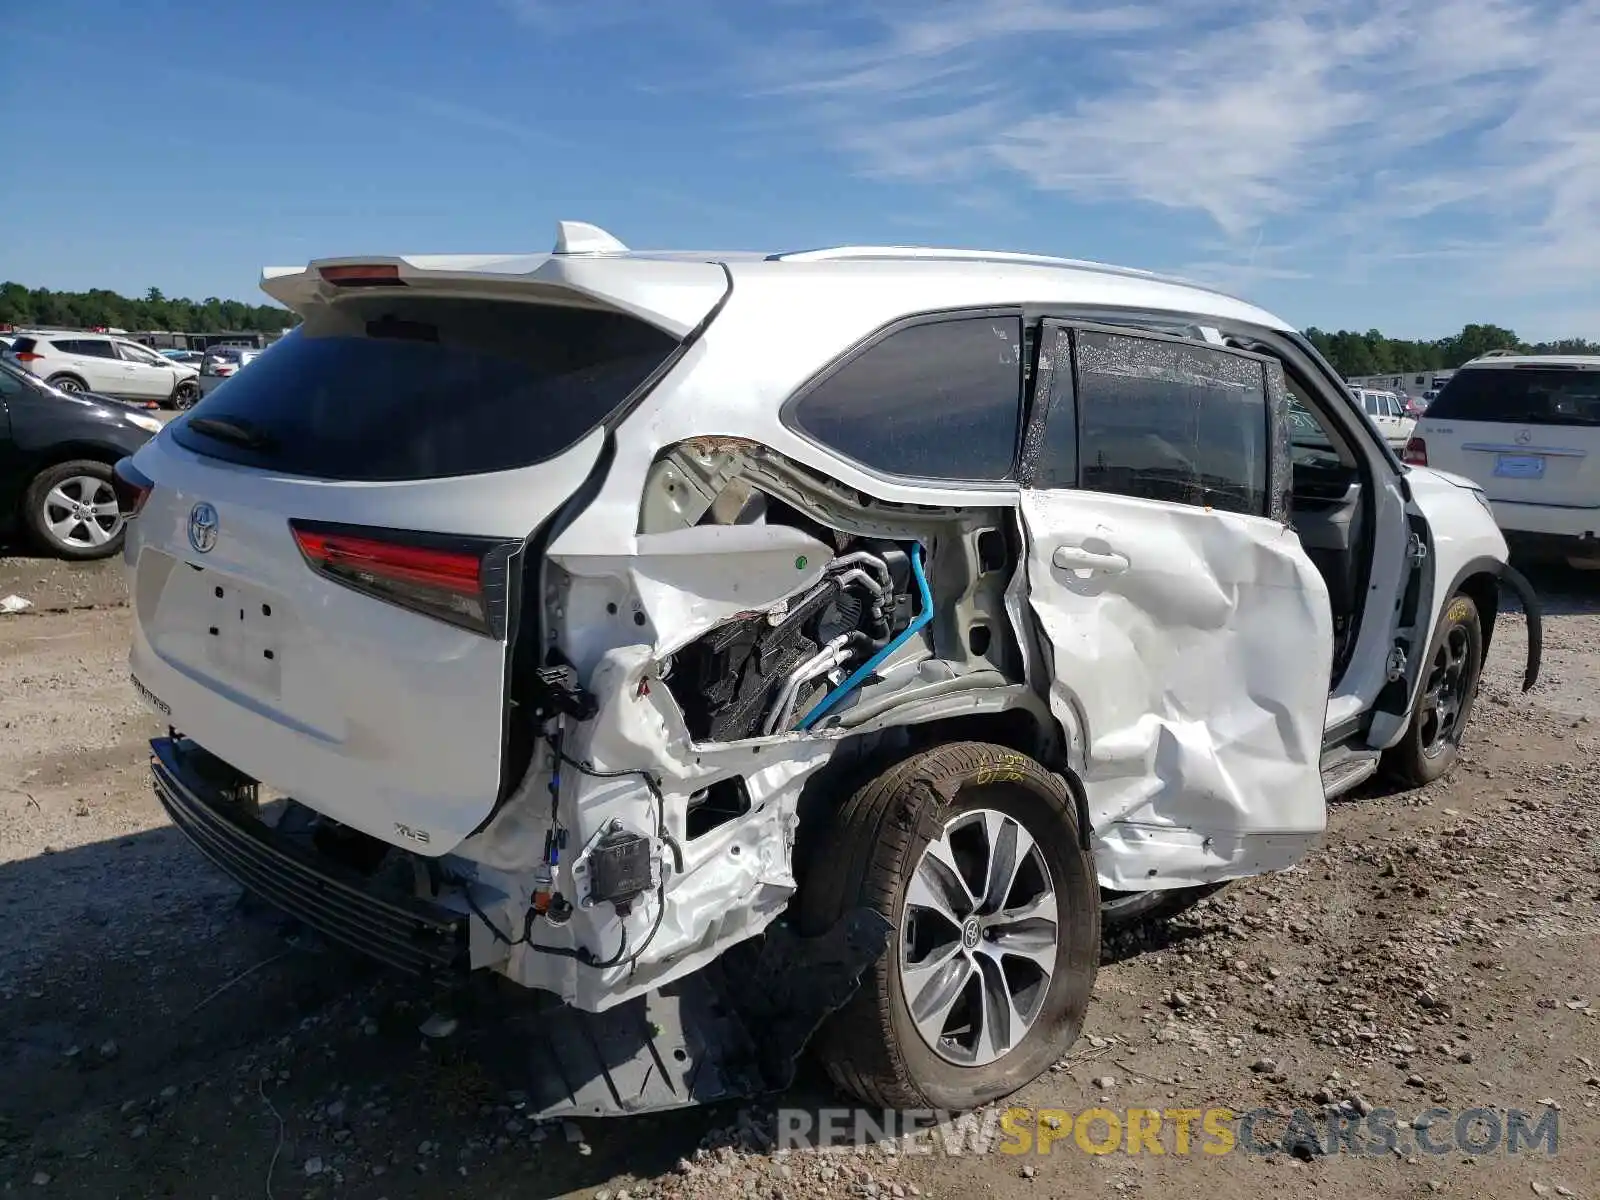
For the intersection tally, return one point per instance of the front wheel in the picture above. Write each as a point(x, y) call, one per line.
point(186, 395)
point(972, 852)
point(1432, 741)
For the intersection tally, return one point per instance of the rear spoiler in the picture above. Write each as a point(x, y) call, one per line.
point(674, 293)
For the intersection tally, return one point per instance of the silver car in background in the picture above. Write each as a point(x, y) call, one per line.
point(223, 362)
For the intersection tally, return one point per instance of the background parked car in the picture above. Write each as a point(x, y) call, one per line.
point(189, 358)
point(1527, 430)
point(56, 454)
point(111, 366)
point(1387, 414)
point(222, 362)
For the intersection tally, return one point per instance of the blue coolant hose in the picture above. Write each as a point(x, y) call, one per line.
point(918, 623)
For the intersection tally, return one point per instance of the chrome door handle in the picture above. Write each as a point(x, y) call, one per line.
point(1076, 558)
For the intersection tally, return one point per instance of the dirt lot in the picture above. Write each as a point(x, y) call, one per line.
point(1438, 951)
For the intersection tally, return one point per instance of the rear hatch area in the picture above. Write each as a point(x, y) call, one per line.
point(328, 556)
point(1527, 434)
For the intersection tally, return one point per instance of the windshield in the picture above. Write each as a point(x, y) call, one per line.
point(1521, 396)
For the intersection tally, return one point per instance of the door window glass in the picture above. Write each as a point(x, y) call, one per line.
point(1172, 421)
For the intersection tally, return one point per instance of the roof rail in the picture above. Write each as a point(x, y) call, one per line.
point(946, 254)
point(579, 237)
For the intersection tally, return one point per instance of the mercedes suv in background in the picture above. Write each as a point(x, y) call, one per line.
point(1526, 429)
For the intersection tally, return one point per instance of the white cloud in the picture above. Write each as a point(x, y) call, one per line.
point(1466, 130)
point(1323, 137)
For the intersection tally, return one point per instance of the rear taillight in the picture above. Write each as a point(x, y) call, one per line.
point(132, 487)
point(27, 356)
point(1416, 452)
point(364, 275)
point(460, 580)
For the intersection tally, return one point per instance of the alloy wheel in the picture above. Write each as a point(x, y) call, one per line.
point(81, 512)
point(978, 938)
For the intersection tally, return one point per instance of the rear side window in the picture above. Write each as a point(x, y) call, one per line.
point(1520, 396)
point(23, 345)
point(1172, 421)
point(936, 400)
point(88, 347)
point(400, 388)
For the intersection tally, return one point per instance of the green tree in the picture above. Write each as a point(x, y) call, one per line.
point(22, 306)
point(1475, 340)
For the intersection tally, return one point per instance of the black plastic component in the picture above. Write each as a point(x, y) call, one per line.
point(209, 803)
point(619, 868)
point(735, 1028)
point(555, 692)
point(728, 680)
point(841, 617)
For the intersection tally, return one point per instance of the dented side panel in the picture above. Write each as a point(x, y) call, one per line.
point(1190, 653)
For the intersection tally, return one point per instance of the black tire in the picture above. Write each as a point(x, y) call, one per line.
point(1121, 911)
point(871, 1048)
point(1430, 746)
point(40, 511)
point(186, 395)
point(67, 383)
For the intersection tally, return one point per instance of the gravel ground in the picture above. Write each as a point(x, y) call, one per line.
point(1438, 949)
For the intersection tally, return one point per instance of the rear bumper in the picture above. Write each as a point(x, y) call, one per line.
point(204, 798)
point(1548, 520)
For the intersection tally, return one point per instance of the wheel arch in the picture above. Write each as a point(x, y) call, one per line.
point(1481, 584)
point(53, 455)
point(1479, 580)
point(1026, 728)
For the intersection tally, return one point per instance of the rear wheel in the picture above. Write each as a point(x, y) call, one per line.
point(71, 510)
point(67, 383)
point(972, 851)
point(1449, 687)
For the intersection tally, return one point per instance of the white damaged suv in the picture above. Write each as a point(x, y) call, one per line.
point(746, 653)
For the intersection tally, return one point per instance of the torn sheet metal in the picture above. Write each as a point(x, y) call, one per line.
point(734, 880)
point(1191, 652)
point(678, 584)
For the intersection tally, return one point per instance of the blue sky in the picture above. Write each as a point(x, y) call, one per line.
point(1410, 165)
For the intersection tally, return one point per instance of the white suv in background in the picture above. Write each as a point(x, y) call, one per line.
point(109, 366)
point(733, 645)
point(1388, 413)
point(1526, 428)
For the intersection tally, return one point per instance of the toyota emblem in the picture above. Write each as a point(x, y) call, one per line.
point(202, 527)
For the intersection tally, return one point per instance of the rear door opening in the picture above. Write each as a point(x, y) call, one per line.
point(327, 567)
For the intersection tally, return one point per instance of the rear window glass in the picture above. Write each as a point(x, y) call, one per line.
point(397, 388)
point(1521, 396)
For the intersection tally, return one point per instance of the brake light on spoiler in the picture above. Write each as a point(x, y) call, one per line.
point(363, 275)
point(463, 581)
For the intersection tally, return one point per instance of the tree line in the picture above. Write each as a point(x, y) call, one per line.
point(24, 306)
point(1351, 353)
point(1371, 353)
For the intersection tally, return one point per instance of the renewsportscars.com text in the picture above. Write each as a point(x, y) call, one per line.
point(1176, 1131)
